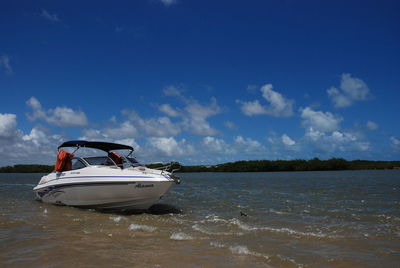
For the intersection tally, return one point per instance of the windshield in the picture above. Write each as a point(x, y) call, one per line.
point(127, 162)
point(132, 162)
point(99, 161)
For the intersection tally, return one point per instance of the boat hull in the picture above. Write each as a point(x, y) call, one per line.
point(105, 195)
point(103, 188)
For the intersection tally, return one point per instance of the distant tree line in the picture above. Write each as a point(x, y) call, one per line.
point(248, 166)
point(27, 169)
point(314, 164)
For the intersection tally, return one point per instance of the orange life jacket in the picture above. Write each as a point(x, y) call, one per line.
point(116, 158)
point(63, 161)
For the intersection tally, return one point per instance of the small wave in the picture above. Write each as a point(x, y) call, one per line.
point(115, 218)
point(298, 233)
point(387, 217)
point(290, 260)
point(243, 250)
point(213, 218)
point(199, 228)
point(217, 245)
point(278, 212)
point(134, 226)
point(246, 227)
point(242, 225)
point(181, 236)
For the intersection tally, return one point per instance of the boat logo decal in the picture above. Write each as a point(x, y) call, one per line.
point(139, 185)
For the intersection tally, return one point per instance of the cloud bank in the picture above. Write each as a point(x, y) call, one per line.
point(278, 105)
point(351, 90)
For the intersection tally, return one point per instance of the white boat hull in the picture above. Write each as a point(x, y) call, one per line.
point(124, 191)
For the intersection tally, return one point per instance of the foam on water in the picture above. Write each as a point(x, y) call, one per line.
point(203, 230)
point(200, 226)
point(134, 227)
point(278, 212)
point(116, 218)
point(243, 250)
point(299, 233)
point(181, 236)
point(289, 231)
point(217, 244)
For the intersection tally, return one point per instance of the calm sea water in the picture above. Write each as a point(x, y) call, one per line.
point(295, 219)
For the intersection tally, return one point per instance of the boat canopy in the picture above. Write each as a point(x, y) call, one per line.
point(105, 146)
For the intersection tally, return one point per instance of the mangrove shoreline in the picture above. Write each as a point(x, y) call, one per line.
point(314, 164)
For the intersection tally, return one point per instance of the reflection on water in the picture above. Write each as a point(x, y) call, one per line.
point(309, 219)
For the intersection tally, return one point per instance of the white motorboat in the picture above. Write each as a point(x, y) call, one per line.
point(111, 181)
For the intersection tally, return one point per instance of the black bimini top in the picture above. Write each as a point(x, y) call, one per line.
point(105, 146)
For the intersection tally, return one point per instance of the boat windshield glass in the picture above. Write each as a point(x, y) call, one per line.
point(132, 162)
point(99, 161)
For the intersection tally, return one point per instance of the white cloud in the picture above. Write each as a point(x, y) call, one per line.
point(342, 141)
point(60, 116)
point(195, 118)
point(94, 134)
point(170, 147)
point(372, 125)
point(252, 108)
point(66, 117)
point(34, 148)
point(216, 146)
point(338, 98)
point(122, 131)
point(51, 17)
point(248, 146)
point(395, 142)
point(278, 105)
point(172, 91)
point(8, 125)
point(168, 110)
point(230, 125)
point(320, 121)
point(154, 127)
point(193, 115)
point(160, 127)
point(351, 89)
point(246, 142)
point(168, 2)
point(36, 136)
point(6, 65)
point(287, 140)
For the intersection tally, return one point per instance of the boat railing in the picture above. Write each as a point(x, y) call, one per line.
point(170, 167)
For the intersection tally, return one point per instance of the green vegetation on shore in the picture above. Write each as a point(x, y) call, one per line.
point(250, 166)
point(27, 169)
point(314, 164)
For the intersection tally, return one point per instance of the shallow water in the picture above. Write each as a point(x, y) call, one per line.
point(295, 219)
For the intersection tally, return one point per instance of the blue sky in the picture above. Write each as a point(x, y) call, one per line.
point(201, 82)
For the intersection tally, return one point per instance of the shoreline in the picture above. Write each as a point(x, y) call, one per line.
point(315, 164)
